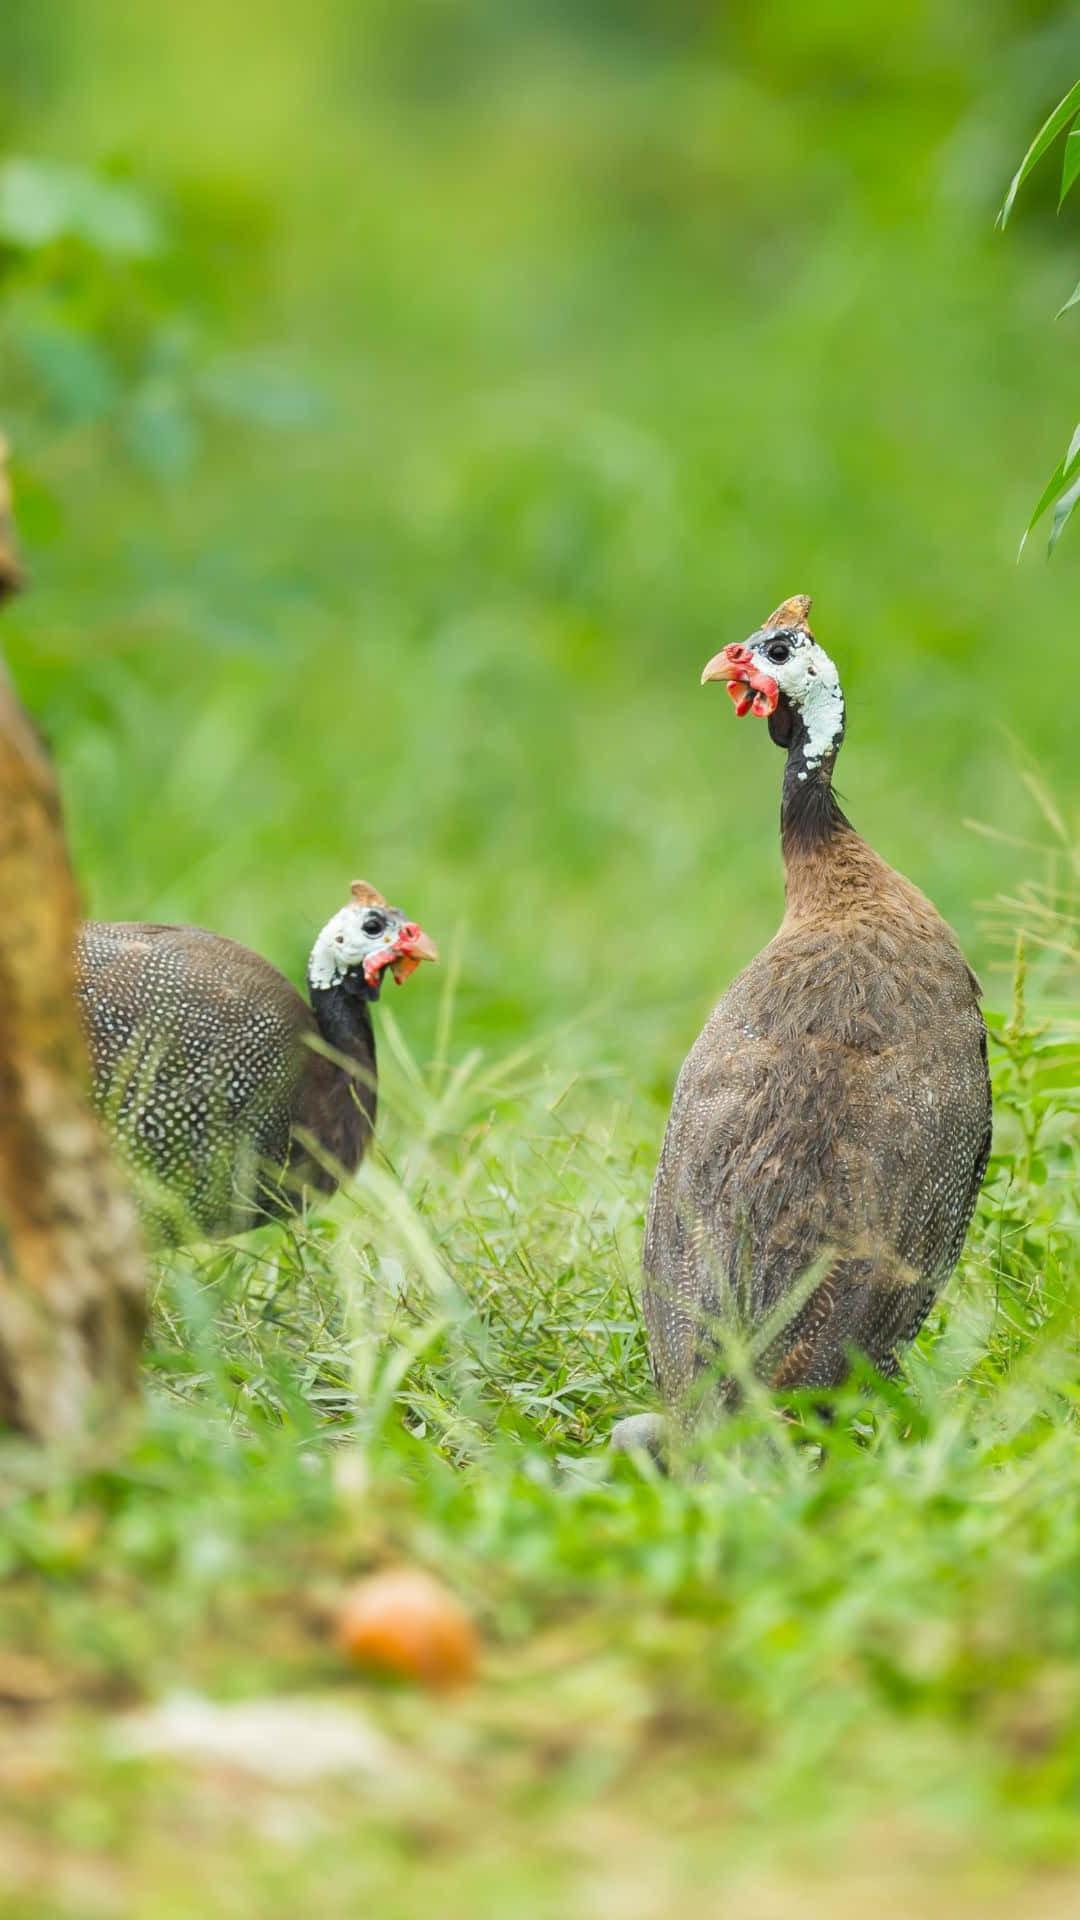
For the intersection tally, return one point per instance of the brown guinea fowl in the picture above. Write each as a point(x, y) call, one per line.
point(216, 1078)
point(830, 1127)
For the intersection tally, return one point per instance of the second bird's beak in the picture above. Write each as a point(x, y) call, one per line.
point(729, 664)
point(412, 946)
point(750, 688)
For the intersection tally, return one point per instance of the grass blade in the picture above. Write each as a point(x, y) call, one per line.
point(1065, 111)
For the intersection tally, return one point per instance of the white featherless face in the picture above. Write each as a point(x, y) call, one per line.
point(347, 941)
point(364, 939)
point(784, 661)
point(808, 680)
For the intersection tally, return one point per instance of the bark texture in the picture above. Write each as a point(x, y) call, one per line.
point(71, 1270)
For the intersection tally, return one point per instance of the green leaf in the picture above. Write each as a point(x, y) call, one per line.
point(1060, 477)
point(258, 389)
point(1070, 166)
point(160, 431)
point(1072, 300)
point(1062, 514)
point(1065, 111)
point(40, 203)
point(76, 373)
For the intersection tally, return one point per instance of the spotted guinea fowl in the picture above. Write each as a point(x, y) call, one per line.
point(218, 1081)
point(830, 1127)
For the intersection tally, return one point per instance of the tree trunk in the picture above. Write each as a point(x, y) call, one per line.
point(71, 1272)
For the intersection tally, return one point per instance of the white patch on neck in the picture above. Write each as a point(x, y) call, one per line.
point(812, 685)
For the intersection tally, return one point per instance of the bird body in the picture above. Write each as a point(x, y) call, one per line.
point(218, 1081)
point(830, 1127)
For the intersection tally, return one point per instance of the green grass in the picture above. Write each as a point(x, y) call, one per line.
point(494, 367)
point(835, 1628)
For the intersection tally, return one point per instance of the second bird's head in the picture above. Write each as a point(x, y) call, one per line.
point(781, 674)
point(364, 940)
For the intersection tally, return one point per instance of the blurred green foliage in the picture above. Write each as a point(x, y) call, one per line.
point(407, 400)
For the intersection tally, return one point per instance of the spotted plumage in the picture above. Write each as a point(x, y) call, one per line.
point(223, 1089)
point(830, 1127)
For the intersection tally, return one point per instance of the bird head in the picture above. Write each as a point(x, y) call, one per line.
point(782, 675)
point(363, 940)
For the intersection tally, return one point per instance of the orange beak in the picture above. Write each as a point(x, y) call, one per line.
point(751, 690)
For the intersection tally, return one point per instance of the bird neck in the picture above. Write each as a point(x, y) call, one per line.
point(343, 1017)
point(816, 836)
point(810, 815)
point(335, 1100)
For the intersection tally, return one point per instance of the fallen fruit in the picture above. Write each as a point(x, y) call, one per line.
point(406, 1622)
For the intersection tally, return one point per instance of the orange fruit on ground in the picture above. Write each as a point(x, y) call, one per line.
point(405, 1622)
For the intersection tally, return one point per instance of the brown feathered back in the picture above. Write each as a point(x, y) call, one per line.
point(830, 1127)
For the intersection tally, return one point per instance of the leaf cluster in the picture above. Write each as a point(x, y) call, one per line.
point(1062, 490)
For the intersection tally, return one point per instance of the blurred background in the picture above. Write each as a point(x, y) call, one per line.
point(407, 399)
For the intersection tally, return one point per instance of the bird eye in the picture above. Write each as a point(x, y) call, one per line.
point(374, 923)
point(778, 651)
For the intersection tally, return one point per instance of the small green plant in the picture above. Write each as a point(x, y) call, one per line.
point(1062, 490)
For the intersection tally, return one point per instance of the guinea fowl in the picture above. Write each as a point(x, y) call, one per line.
point(830, 1127)
point(217, 1079)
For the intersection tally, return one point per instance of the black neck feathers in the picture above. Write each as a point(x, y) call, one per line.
point(342, 1014)
point(810, 815)
point(335, 1099)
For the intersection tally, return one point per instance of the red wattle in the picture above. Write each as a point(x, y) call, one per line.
point(751, 690)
